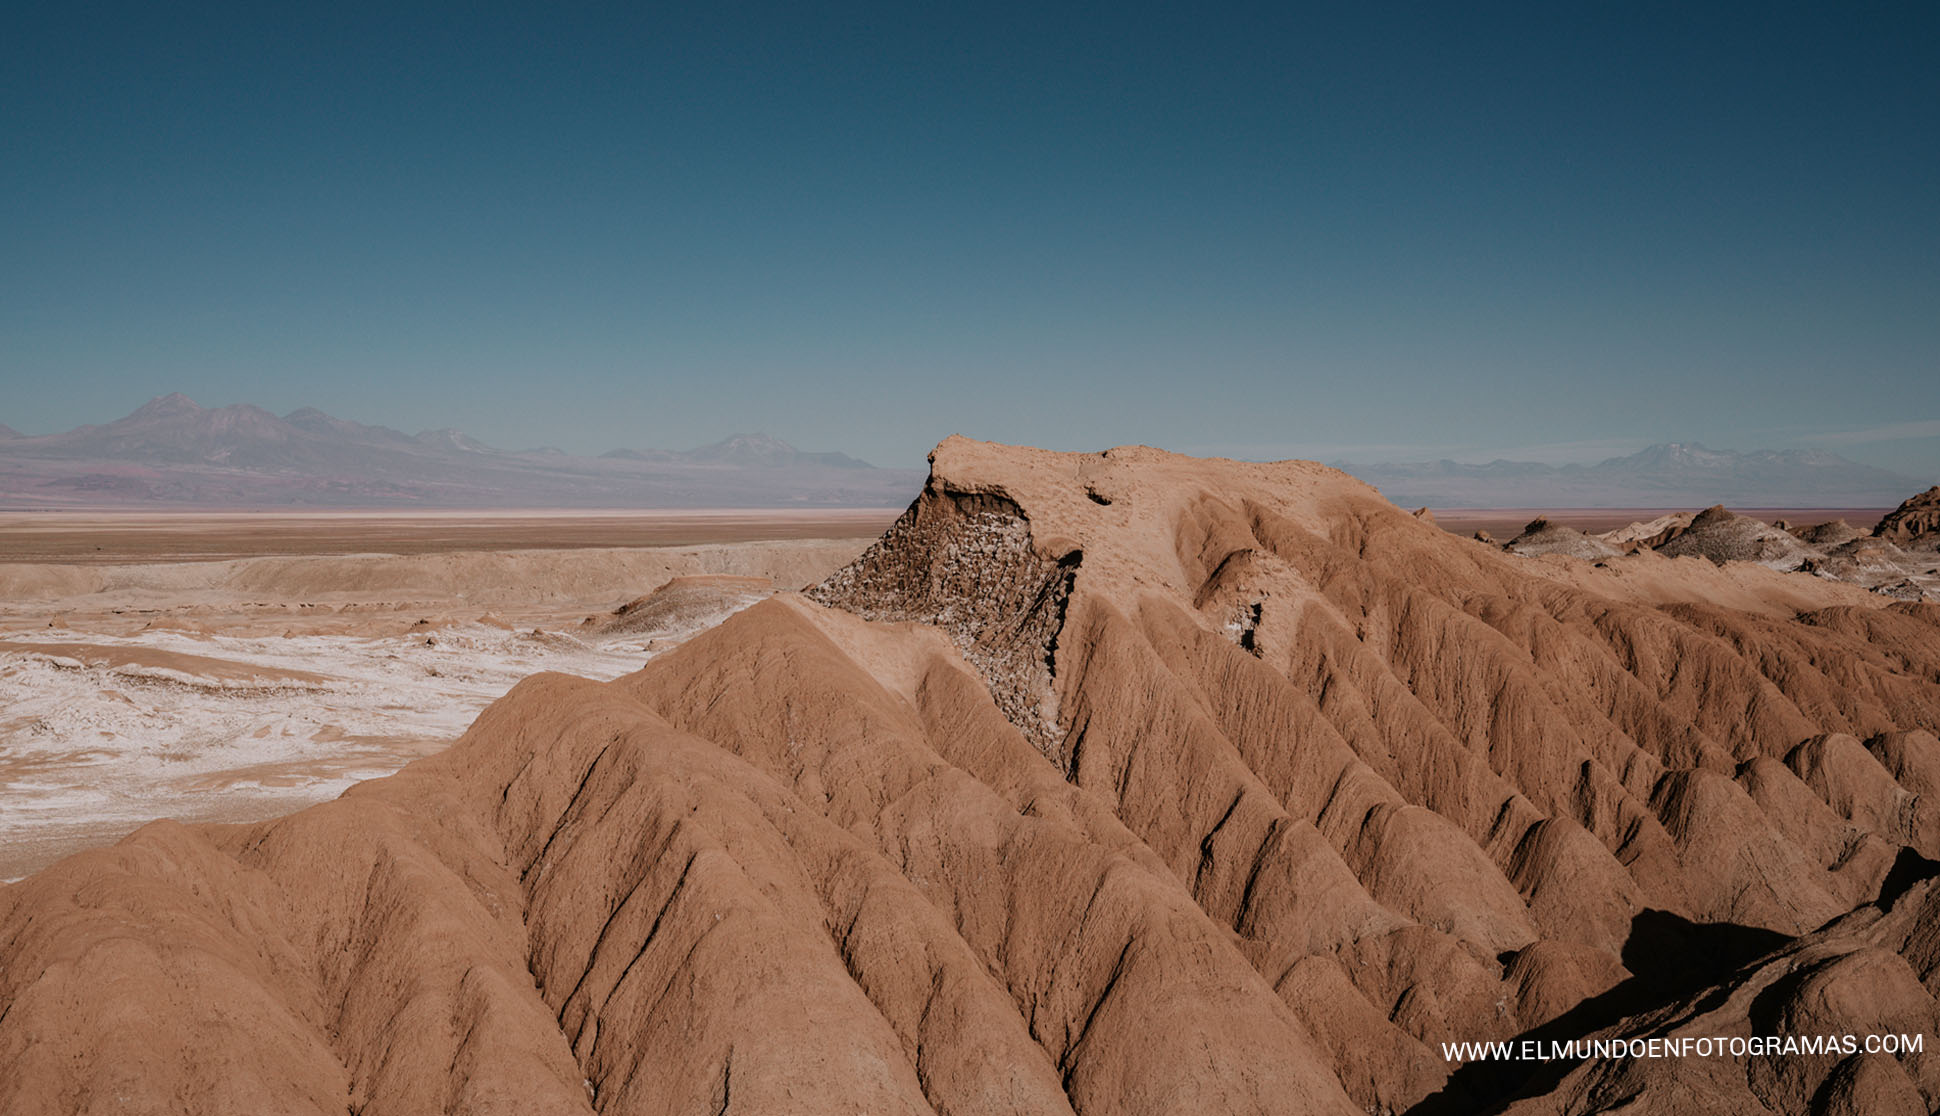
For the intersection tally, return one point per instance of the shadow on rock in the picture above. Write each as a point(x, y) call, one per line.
point(1670, 958)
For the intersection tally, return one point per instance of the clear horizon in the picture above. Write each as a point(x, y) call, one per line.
point(1377, 235)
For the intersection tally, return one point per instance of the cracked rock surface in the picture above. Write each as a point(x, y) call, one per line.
point(965, 563)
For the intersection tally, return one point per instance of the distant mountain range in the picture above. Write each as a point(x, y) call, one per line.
point(1676, 474)
point(172, 452)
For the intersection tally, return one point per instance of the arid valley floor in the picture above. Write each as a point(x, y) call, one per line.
point(1120, 783)
point(235, 666)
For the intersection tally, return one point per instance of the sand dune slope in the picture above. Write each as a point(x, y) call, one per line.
point(1117, 783)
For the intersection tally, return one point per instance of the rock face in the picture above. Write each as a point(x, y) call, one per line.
point(1915, 523)
point(964, 561)
point(1106, 783)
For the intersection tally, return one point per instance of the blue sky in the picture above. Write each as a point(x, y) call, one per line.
point(1376, 232)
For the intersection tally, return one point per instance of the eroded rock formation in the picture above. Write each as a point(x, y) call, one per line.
point(1915, 523)
point(1104, 783)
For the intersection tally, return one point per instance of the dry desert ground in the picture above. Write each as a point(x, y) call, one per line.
point(232, 666)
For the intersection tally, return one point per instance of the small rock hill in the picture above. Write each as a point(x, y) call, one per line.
point(1724, 536)
point(684, 604)
point(1541, 537)
point(1915, 523)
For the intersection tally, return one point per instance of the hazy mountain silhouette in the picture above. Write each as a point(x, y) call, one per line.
point(1672, 474)
point(771, 453)
point(174, 451)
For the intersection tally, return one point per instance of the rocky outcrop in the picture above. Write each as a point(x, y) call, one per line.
point(1915, 523)
point(682, 605)
point(1541, 537)
point(1834, 532)
point(966, 562)
point(1724, 536)
point(1834, 550)
point(1651, 535)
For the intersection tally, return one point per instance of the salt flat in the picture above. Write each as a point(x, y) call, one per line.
point(145, 535)
point(94, 743)
point(209, 668)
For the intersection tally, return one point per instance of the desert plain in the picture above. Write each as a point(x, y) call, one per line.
point(233, 665)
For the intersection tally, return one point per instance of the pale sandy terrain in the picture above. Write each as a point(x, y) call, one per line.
point(226, 668)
